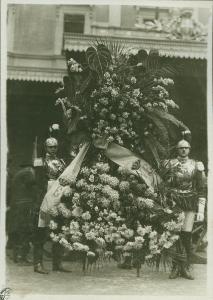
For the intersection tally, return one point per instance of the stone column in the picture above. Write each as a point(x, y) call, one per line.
point(11, 10)
point(115, 15)
point(59, 30)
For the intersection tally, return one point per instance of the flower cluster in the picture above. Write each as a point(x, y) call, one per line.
point(74, 66)
point(107, 208)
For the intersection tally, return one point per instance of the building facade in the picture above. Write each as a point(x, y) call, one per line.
point(38, 36)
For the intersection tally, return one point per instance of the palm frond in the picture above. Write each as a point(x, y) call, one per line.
point(98, 59)
point(172, 131)
point(160, 128)
point(169, 117)
point(163, 150)
point(150, 145)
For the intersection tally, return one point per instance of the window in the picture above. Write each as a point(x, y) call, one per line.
point(145, 20)
point(73, 23)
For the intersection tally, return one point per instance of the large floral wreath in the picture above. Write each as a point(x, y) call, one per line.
point(116, 96)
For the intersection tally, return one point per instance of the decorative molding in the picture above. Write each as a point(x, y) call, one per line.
point(180, 25)
point(28, 67)
point(58, 11)
point(35, 56)
point(171, 48)
point(91, 12)
point(35, 74)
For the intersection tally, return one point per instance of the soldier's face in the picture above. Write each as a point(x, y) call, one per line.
point(183, 151)
point(52, 150)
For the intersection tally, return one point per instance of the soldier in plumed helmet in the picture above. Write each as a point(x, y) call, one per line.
point(186, 181)
point(52, 167)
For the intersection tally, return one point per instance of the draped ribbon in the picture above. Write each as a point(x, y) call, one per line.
point(54, 194)
point(125, 158)
point(118, 154)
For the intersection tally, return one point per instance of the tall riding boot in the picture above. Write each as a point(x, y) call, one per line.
point(187, 243)
point(176, 264)
point(57, 254)
point(25, 249)
point(38, 259)
point(38, 252)
point(175, 272)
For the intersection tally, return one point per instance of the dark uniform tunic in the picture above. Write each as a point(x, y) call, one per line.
point(23, 197)
point(20, 223)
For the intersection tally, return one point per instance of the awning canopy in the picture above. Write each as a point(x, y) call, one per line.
point(170, 48)
point(35, 74)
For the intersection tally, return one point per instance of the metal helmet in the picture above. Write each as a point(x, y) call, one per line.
point(50, 142)
point(183, 144)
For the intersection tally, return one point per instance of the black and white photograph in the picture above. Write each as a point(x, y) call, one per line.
point(106, 113)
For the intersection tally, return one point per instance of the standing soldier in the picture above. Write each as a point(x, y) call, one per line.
point(53, 167)
point(23, 197)
point(186, 181)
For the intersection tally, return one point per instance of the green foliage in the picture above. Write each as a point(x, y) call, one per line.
point(98, 59)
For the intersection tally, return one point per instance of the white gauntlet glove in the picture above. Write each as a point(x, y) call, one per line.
point(201, 208)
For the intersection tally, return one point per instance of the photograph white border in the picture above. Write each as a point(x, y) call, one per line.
point(3, 128)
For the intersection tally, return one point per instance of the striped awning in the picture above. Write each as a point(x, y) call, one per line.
point(35, 74)
point(171, 48)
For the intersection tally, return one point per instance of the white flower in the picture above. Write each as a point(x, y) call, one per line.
point(77, 211)
point(86, 216)
point(91, 254)
point(74, 226)
point(80, 247)
point(128, 233)
point(90, 235)
point(125, 115)
point(153, 234)
point(112, 116)
point(55, 238)
point(141, 231)
point(55, 126)
point(114, 92)
point(139, 239)
point(63, 241)
point(67, 191)
point(124, 186)
point(106, 75)
point(147, 257)
point(167, 210)
point(167, 245)
point(133, 80)
point(129, 246)
point(91, 178)
point(136, 92)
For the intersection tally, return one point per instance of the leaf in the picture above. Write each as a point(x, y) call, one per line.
point(69, 88)
point(98, 59)
point(150, 143)
point(86, 84)
point(73, 122)
point(169, 117)
point(162, 150)
point(160, 128)
point(172, 131)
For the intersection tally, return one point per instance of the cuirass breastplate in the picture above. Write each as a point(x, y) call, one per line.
point(54, 167)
